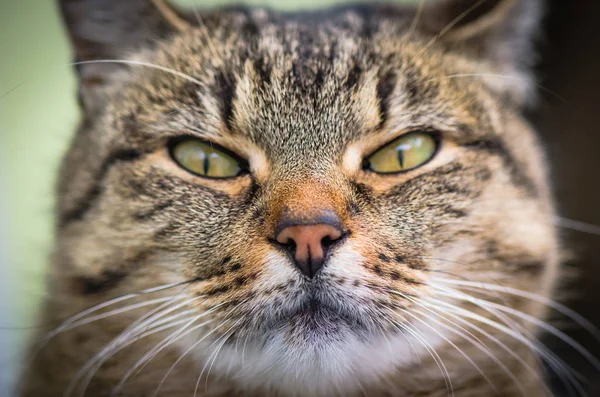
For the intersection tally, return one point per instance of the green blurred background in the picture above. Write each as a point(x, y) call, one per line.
point(37, 116)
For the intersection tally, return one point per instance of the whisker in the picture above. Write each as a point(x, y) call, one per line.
point(415, 21)
point(225, 336)
point(449, 26)
point(141, 364)
point(466, 356)
point(132, 333)
point(387, 341)
point(475, 341)
point(88, 320)
point(237, 340)
point(170, 15)
point(504, 77)
point(12, 89)
point(500, 344)
point(154, 315)
point(124, 297)
point(244, 348)
point(164, 343)
point(69, 325)
point(150, 331)
point(577, 225)
point(557, 364)
point(211, 44)
point(570, 313)
point(410, 344)
point(86, 373)
point(418, 302)
point(491, 278)
point(143, 328)
point(181, 357)
point(539, 323)
point(144, 64)
point(479, 344)
point(434, 355)
point(213, 362)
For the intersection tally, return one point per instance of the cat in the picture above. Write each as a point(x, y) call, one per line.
point(337, 202)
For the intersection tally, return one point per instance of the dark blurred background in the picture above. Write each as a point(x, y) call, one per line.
point(570, 67)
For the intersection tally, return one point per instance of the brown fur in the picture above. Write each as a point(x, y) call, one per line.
point(304, 98)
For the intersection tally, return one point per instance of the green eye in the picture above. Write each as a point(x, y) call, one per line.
point(204, 159)
point(405, 153)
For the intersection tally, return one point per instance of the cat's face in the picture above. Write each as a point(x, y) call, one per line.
point(316, 261)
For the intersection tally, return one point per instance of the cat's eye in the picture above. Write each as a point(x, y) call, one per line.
point(403, 154)
point(205, 159)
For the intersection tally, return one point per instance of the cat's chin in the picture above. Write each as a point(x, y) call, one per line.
point(314, 353)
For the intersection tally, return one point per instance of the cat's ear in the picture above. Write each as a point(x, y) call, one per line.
point(499, 32)
point(110, 30)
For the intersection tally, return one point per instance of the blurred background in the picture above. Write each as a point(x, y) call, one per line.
point(38, 114)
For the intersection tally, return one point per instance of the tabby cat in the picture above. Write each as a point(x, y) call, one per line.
point(345, 202)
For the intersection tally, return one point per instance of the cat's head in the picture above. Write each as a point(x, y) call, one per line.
point(326, 181)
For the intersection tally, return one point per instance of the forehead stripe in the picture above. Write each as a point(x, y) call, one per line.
point(385, 87)
point(224, 91)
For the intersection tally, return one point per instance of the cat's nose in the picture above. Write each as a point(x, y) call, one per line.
point(309, 240)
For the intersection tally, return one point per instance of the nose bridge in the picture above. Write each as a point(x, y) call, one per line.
point(303, 201)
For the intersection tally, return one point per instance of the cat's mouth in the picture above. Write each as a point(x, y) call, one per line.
point(313, 313)
point(317, 318)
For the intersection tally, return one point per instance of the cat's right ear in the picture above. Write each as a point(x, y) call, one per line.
point(501, 33)
point(105, 30)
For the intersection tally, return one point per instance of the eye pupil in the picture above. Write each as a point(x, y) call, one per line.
point(401, 157)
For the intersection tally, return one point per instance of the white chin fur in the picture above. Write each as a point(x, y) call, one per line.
point(333, 368)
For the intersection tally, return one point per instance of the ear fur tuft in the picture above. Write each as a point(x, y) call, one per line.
point(501, 33)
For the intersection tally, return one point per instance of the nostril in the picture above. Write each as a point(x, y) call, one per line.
point(327, 241)
point(290, 245)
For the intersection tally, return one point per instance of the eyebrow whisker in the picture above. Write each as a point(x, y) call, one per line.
point(144, 64)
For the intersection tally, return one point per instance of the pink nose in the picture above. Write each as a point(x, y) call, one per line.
point(309, 244)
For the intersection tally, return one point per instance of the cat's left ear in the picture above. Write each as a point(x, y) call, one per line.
point(499, 32)
point(103, 31)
